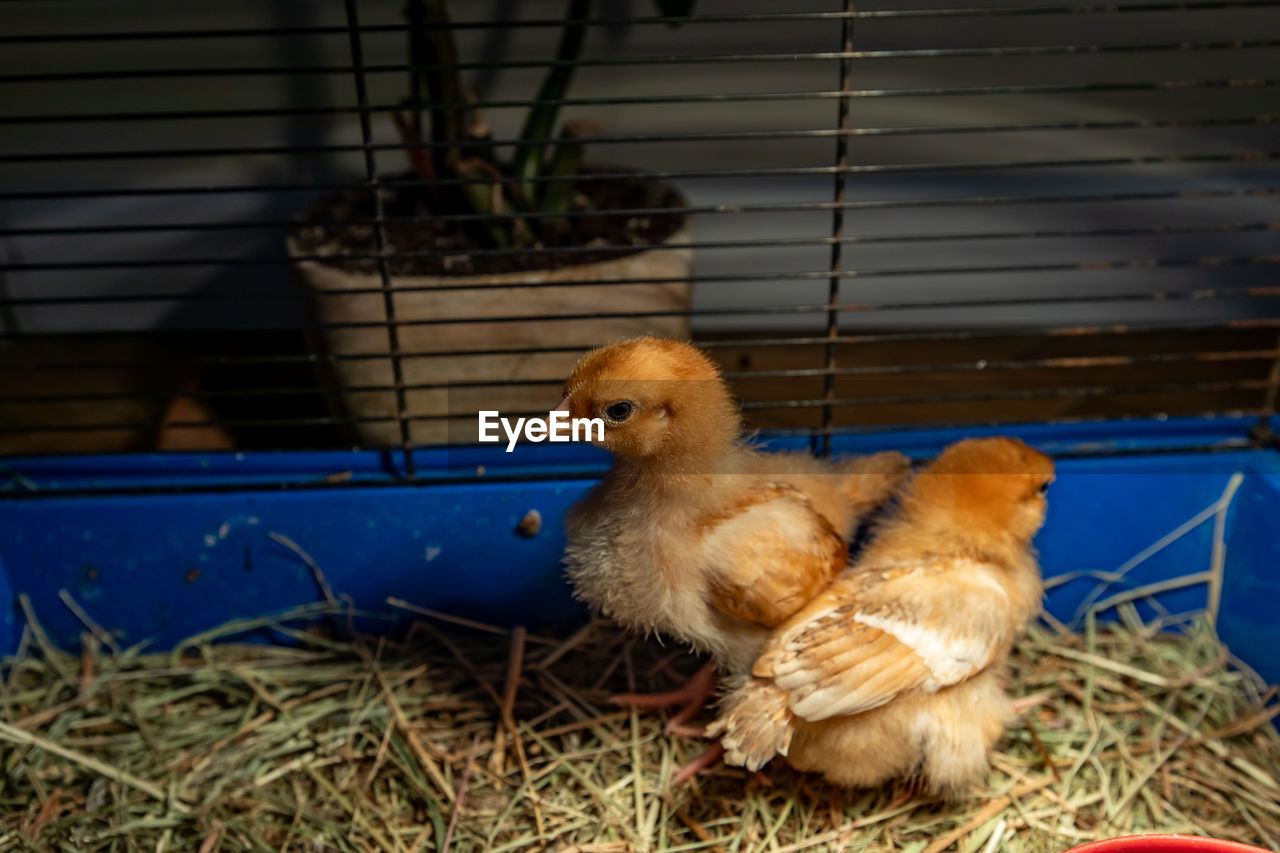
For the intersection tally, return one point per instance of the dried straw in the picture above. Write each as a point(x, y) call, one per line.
point(475, 738)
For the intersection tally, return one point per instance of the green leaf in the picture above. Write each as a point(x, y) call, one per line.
point(433, 58)
point(541, 120)
point(566, 158)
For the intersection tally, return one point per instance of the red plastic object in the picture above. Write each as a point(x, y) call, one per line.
point(1165, 844)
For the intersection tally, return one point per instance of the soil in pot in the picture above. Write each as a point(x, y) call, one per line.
point(339, 224)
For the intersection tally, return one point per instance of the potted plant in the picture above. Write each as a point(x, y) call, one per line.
point(471, 220)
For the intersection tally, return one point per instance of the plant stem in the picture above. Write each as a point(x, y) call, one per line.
point(565, 159)
point(434, 57)
point(541, 121)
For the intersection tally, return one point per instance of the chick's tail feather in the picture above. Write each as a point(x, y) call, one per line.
point(870, 480)
point(755, 725)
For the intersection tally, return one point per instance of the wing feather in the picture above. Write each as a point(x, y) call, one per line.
point(859, 647)
point(773, 553)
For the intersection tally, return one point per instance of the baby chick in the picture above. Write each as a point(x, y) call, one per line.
point(894, 671)
point(692, 533)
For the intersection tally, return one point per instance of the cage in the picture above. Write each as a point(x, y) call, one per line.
point(253, 296)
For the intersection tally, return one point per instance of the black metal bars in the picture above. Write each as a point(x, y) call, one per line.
point(379, 228)
point(1064, 207)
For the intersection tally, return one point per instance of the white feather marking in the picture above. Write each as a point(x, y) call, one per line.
point(980, 573)
point(950, 658)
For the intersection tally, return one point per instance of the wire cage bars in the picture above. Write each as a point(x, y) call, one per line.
point(306, 225)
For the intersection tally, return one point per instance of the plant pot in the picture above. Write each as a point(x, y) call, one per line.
point(461, 385)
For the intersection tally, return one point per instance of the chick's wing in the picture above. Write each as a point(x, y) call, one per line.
point(772, 553)
point(862, 644)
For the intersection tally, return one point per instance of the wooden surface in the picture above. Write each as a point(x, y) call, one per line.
point(231, 402)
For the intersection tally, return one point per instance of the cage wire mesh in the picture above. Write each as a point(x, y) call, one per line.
point(921, 213)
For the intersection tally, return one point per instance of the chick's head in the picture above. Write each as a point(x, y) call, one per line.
point(655, 397)
point(994, 488)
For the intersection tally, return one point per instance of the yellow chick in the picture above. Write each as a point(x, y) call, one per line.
point(693, 533)
point(894, 671)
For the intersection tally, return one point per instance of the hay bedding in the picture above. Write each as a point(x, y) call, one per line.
point(478, 739)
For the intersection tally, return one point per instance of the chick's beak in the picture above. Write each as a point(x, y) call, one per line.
point(564, 405)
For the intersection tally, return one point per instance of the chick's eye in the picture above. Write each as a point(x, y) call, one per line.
point(1044, 488)
point(619, 411)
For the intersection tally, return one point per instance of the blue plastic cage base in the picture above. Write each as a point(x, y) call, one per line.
point(161, 547)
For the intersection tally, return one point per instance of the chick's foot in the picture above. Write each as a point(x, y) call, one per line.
point(711, 757)
point(907, 790)
point(1026, 703)
point(691, 698)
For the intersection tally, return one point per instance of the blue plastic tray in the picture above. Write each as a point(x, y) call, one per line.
point(163, 565)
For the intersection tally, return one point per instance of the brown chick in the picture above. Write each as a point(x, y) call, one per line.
point(894, 671)
point(692, 533)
